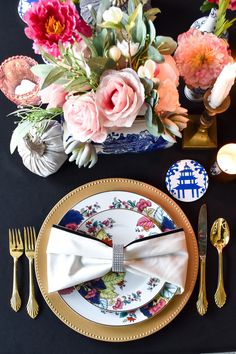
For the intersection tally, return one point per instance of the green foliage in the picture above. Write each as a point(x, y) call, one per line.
point(222, 24)
point(53, 76)
point(99, 64)
point(207, 6)
point(165, 45)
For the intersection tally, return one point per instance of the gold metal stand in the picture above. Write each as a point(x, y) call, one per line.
point(201, 132)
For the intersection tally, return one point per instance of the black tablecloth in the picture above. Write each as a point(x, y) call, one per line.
point(25, 199)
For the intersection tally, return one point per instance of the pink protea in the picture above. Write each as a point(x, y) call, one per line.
point(200, 57)
point(51, 21)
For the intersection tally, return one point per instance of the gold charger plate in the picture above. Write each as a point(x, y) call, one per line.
point(81, 324)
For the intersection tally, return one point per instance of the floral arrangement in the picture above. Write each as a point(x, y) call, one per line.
point(100, 77)
point(201, 56)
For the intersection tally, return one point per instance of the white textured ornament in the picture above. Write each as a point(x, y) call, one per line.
point(45, 155)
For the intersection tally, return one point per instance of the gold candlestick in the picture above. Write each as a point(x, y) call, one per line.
point(201, 132)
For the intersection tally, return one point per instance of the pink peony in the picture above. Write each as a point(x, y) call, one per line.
point(200, 57)
point(54, 95)
point(232, 4)
point(168, 97)
point(51, 21)
point(83, 118)
point(120, 96)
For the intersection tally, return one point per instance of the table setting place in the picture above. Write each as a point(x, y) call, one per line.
point(117, 259)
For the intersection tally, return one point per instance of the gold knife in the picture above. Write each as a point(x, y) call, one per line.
point(202, 302)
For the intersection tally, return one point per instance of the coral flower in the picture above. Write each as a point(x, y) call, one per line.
point(200, 57)
point(51, 21)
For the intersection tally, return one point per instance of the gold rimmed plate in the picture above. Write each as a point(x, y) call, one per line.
point(80, 323)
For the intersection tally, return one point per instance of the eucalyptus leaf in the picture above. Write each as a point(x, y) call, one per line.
point(100, 64)
point(139, 32)
point(99, 41)
point(148, 85)
point(19, 133)
point(111, 25)
point(53, 76)
point(131, 7)
point(165, 45)
point(155, 55)
point(42, 70)
point(76, 85)
point(151, 31)
point(151, 13)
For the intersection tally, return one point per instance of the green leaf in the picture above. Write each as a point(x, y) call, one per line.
point(131, 7)
point(207, 6)
point(104, 5)
point(138, 12)
point(139, 32)
point(42, 70)
point(153, 122)
point(151, 13)
point(151, 32)
point(111, 25)
point(99, 41)
point(55, 74)
point(100, 64)
point(147, 84)
point(165, 45)
point(76, 85)
point(19, 133)
point(154, 54)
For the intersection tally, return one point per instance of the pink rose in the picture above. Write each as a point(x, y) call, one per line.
point(168, 97)
point(54, 95)
point(120, 96)
point(83, 118)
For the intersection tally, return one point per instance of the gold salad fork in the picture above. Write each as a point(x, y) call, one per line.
point(16, 249)
point(30, 241)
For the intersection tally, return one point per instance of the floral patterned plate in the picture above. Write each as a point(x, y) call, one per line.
point(83, 319)
point(119, 291)
point(118, 217)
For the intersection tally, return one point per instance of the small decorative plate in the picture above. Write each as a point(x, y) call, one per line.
point(84, 321)
point(187, 180)
point(119, 291)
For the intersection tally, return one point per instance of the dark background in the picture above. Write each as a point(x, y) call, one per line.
point(26, 199)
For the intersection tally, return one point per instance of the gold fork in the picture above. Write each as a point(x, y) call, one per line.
point(30, 241)
point(16, 249)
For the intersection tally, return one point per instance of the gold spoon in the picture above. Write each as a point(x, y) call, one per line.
point(219, 238)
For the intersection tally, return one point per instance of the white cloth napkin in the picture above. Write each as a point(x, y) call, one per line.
point(73, 258)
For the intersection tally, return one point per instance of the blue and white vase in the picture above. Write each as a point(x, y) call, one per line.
point(127, 140)
point(134, 139)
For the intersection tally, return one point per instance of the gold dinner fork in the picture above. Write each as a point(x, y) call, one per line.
point(30, 241)
point(16, 249)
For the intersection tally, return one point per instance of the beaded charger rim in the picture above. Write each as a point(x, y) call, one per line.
point(83, 325)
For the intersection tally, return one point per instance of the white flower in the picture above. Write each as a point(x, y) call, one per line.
point(113, 14)
point(149, 70)
point(126, 47)
point(114, 53)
